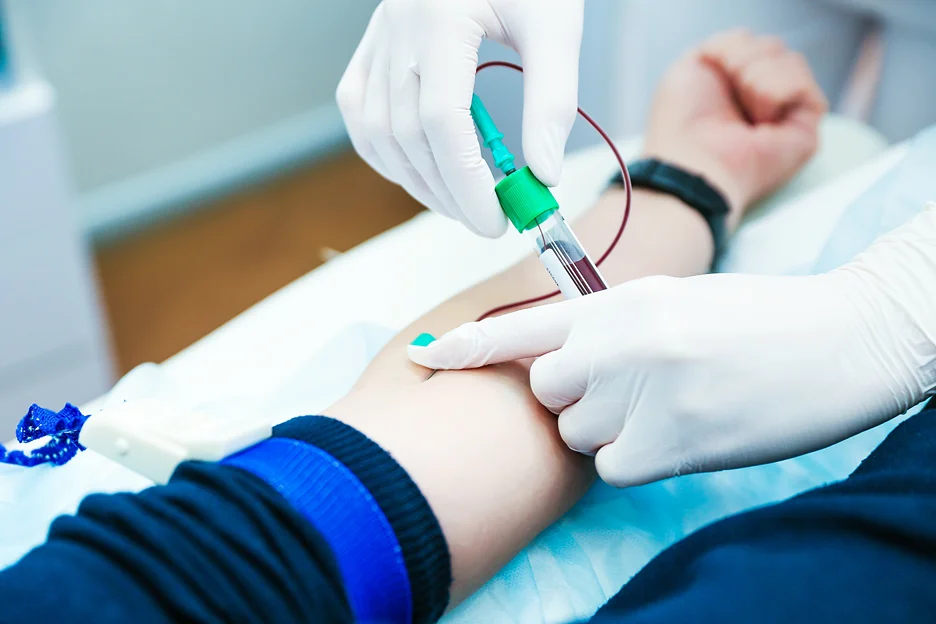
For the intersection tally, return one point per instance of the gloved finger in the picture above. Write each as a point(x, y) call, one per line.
point(593, 421)
point(351, 94)
point(408, 130)
point(557, 380)
point(524, 334)
point(379, 128)
point(550, 92)
point(619, 464)
point(447, 64)
point(649, 449)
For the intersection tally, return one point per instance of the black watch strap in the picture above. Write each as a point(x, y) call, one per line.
point(692, 190)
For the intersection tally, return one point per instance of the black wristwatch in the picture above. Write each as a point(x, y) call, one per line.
point(692, 190)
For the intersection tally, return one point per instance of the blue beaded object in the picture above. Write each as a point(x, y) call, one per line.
point(63, 428)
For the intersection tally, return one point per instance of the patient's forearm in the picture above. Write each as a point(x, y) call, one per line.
point(663, 237)
point(486, 455)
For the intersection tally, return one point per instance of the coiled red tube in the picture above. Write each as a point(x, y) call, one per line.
point(627, 203)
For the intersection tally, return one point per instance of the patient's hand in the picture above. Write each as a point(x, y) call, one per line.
point(741, 110)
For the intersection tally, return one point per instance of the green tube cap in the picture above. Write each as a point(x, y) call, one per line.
point(524, 198)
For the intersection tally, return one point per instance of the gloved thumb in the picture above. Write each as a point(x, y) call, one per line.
point(629, 462)
point(528, 333)
point(550, 98)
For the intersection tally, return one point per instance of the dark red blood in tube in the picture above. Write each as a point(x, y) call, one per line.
point(583, 272)
point(587, 270)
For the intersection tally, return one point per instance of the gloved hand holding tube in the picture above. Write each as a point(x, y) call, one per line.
point(662, 376)
point(406, 94)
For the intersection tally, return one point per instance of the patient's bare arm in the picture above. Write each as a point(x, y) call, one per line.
point(486, 455)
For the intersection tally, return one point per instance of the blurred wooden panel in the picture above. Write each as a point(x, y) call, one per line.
point(167, 287)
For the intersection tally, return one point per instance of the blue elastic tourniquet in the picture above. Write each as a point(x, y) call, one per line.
point(63, 427)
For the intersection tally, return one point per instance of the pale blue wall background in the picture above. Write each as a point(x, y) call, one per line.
point(166, 103)
point(142, 84)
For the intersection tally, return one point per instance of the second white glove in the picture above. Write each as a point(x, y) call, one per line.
point(665, 376)
point(406, 94)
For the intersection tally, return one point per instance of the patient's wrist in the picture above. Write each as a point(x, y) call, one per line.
point(719, 177)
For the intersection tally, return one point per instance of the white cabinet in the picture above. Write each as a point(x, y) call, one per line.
point(53, 346)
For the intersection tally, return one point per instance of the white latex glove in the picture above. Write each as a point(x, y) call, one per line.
point(406, 94)
point(665, 376)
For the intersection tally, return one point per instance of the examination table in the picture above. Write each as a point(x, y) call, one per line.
point(278, 360)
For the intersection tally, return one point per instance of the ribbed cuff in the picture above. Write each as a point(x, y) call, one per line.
point(341, 509)
point(420, 537)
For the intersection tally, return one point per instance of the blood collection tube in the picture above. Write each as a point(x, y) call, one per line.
point(534, 212)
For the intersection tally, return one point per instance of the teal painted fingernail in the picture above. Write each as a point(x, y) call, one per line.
point(423, 340)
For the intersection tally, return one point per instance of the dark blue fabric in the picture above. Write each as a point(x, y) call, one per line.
point(216, 544)
point(416, 528)
point(861, 550)
point(341, 509)
point(219, 543)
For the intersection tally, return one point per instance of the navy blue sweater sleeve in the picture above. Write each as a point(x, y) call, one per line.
point(861, 550)
point(222, 542)
point(216, 544)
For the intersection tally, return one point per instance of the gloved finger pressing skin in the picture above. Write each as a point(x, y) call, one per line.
point(617, 468)
point(550, 90)
point(557, 380)
point(447, 62)
point(351, 94)
point(377, 121)
point(523, 334)
point(586, 427)
point(623, 464)
point(406, 125)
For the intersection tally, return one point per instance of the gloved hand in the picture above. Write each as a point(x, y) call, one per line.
point(665, 376)
point(406, 94)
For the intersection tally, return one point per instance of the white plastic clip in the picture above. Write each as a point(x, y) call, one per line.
point(152, 437)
